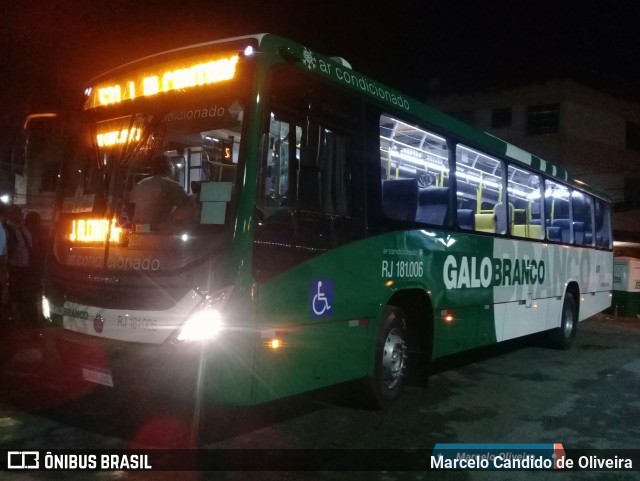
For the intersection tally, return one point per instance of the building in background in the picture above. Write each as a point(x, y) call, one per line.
point(594, 135)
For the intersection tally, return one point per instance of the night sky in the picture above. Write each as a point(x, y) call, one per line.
point(50, 48)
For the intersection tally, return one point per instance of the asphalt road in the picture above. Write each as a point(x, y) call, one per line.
point(517, 392)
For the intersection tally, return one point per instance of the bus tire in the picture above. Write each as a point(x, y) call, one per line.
point(563, 336)
point(390, 369)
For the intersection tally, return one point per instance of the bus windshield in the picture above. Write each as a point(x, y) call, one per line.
point(140, 184)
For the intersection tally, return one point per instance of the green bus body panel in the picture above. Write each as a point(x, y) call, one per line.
point(489, 304)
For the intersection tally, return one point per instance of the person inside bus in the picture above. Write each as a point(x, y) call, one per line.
point(158, 196)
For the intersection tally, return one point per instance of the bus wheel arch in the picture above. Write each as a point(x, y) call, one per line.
point(416, 304)
point(402, 329)
point(562, 337)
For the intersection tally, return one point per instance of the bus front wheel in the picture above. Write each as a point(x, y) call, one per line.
point(390, 368)
point(563, 336)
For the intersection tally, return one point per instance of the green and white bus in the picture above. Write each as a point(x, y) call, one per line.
point(335, 227)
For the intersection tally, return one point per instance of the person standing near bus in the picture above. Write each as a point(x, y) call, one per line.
point(157, 196)
point(22, 286)
point(4, 274)
point(33, 223)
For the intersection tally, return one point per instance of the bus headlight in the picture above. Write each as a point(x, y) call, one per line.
point(203, 325)
point(46, 308)
point(206, 322)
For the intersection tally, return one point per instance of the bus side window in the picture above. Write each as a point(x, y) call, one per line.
point(525, 203)
point(556, 211)
point(479, 181)
point(414, 173)
point(582, 207)
point(602, 225)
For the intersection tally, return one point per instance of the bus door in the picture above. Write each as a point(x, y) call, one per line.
point(309, 205)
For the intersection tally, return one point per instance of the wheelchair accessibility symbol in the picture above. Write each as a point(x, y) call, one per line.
point(321, 297)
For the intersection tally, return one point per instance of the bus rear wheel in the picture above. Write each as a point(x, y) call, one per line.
point(563, 336)
point(390, 368)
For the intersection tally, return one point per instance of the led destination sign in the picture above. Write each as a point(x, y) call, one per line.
point(178, 75)
point(94, 230)
point(118, 137)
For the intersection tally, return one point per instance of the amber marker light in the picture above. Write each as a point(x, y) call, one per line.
point(447, 315)
point(275, 344)
point(389, 283)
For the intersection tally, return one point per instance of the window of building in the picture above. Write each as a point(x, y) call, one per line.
point(633, 136)
point(543, 119)
point(501, 118)
point(631, 193)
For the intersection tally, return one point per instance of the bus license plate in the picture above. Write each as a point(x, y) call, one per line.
point(98, 376)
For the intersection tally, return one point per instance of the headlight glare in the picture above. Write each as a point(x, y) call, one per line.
point(203, 325)
point(46, 308)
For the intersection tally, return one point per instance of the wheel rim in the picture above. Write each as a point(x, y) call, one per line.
point(567, 322)
point(393, 358)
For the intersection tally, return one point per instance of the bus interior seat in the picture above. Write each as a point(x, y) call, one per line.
point(565, 229)
point(433, 206)
point(578, 232)
point(519, 230)
point(400, 199)
point(554, 234)
point(501, 217)
point(535, 231)
point(557, 208)
point(466, 219)
point(588, 238)
point(485, 222)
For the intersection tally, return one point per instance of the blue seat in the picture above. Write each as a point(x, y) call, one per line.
point(400, 199)
point(554, 234)
point(433, 206)
point(578, 233)
point(466, 219)
point(565, 229)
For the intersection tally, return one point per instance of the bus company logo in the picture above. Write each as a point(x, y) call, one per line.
point(466, 272)
point(308, 59)
point(23, 460)
point(98, 324)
